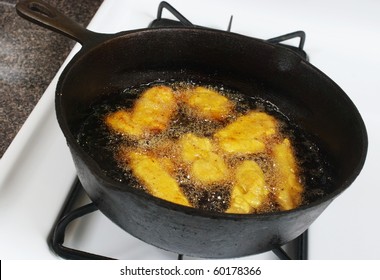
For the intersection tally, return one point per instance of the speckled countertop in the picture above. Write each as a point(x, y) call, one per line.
point(30, 56)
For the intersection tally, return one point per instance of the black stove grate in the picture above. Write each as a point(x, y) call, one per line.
point(183, 21)
point(70, 213)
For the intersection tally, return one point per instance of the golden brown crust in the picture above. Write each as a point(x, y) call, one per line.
point(247, 134)
point(151, 113)
point(288, 187)
point(207, 103)
point(122, 122)
point(250, 190)
point(153, 173)
point(205, 165)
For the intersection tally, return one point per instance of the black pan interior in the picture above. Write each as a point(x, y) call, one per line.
point(250, 66)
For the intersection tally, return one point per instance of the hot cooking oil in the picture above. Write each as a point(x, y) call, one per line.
point(103, 145)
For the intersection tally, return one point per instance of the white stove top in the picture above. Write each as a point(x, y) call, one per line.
point(36, 172)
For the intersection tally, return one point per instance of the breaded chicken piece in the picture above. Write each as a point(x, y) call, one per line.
point(249, 189)
point(154, 109)
point(122, 122)
point(151, 113)
point(247, 134)
point(208, 104)
point(198, 153)
point(152, 172)
point(289, 190)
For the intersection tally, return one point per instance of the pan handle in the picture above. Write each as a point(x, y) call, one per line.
point(47, 16)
